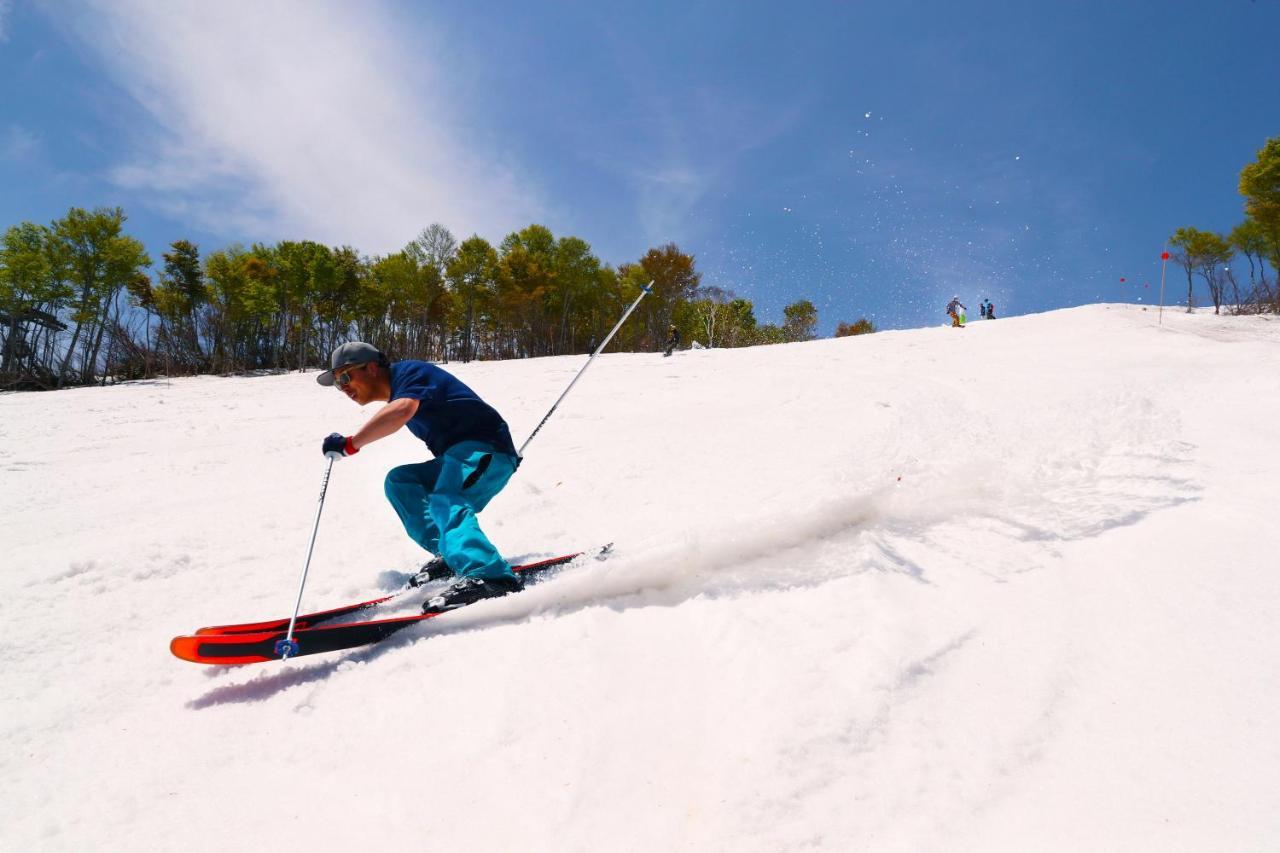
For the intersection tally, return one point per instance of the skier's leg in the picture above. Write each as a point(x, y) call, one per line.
point(471, 473)
point(408, 487)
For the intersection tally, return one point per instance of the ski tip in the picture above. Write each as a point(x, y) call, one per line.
point(185, 648)
point(200, 649)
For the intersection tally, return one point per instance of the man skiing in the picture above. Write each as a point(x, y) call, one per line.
point(954, 307)
point(673, 339)
point(437, 501)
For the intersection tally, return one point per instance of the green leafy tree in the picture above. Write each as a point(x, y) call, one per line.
point(1250, 239)
point(675, 280)
point(434, 247)
point(404, 305)
point(1204, 253)
point(306, 273)
point(576, 280)
point(741, 328)
point(633, 336)
point(600, 309)
point(706, 317)
point(181, 297)
point(98, 260)
point(261, 299)
point(526, 294)
point(472, 276)
point(336, 281)
point(801, 321)
point(31, 294)
point(770, 333)
point(1260, 186)
point(229, 324)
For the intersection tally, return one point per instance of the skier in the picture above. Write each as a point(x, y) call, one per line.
point(991, 310)
point(673, 339)
point(437, 501)
point(982, 309)
point(954, 307)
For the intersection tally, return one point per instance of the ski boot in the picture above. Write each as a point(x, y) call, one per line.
point(466, 591)
point(435, 570)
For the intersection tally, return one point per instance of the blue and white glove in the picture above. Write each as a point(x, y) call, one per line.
point(337, 446)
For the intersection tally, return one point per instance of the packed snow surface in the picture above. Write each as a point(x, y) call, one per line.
point(1009, 587)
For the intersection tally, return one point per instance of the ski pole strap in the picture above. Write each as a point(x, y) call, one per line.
point(644, 291)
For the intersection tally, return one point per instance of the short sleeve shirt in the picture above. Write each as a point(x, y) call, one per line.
point(448, 411)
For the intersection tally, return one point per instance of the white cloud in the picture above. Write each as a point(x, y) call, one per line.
point(18, 144)
point(690, 152)
point(315, 119)
point(666, 196)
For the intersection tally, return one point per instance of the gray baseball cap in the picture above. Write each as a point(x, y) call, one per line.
point(352, 352)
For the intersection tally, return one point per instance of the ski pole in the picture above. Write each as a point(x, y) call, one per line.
point(289, 646)
point(644, 291)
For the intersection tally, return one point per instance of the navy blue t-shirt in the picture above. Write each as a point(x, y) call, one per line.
point(448, 411)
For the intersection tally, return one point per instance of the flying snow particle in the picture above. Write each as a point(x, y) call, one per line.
point(867, 115)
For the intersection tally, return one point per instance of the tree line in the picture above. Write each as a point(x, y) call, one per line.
point(1211, 256)
point(80, 302)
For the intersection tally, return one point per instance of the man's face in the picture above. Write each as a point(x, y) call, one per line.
point(355, 381)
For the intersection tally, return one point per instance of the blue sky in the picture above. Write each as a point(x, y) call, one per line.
point(876, 158)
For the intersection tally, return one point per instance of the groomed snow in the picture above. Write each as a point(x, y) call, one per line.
point(1010, 587)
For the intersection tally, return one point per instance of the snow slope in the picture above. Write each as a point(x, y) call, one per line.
point(1010, 587)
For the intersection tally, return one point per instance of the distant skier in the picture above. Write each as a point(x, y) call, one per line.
point(954, 310)
point(991, 310)
point(982, 309)
point(437, 501)
point(673, 339)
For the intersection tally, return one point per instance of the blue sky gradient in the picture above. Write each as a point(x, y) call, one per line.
point(876, 158)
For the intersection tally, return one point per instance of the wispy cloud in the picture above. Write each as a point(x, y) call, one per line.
point(6, 9)
point(696, 152)
point(684, 141)
point(18, 144)
point(297, 119)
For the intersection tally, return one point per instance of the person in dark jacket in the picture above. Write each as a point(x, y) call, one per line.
point(437, 500)
point(673, 339)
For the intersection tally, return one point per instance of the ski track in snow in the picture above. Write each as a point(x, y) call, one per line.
point(856, 601)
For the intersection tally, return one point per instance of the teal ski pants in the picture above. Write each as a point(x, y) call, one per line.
point(437, 502)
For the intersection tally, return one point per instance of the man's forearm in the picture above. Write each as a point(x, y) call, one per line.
point(392, 416)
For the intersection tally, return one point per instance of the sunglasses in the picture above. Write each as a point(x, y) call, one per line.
point(342, 380)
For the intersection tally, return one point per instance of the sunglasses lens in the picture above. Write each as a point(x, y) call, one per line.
point(342, 380)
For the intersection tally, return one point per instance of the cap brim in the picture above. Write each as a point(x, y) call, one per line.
point(326, 378)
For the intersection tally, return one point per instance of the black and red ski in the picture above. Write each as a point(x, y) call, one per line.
point(255, 642)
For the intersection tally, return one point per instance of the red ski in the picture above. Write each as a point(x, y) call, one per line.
point(254, 642)
point(310, 620)
point(258, 647)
